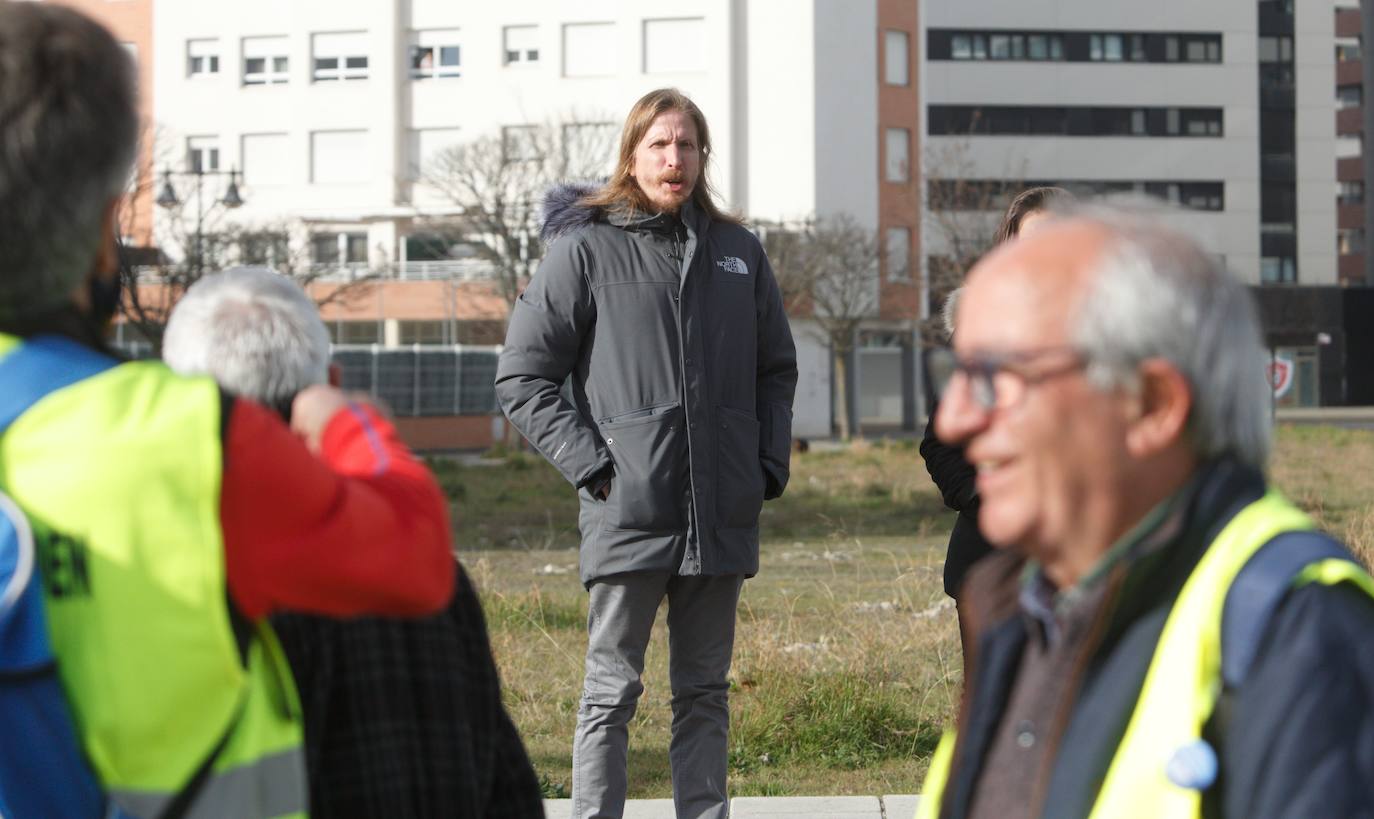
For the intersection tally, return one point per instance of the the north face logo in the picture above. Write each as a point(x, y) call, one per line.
point(733, 264)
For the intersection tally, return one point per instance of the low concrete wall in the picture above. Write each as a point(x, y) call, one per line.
point(448, 432)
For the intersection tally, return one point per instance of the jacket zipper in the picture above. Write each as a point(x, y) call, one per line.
point(692, 559)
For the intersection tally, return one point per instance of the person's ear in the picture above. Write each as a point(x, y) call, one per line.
point(1162, 405)
point(335, 374)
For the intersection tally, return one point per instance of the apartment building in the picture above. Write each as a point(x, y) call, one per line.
point(325, 113)
point(1222, 107)
point(1355, 265)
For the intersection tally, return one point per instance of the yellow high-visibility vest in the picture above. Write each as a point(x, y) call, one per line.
point(119, 475)
point(1184, 679)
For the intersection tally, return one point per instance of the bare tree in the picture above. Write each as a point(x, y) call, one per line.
point(962, 211)
point(498, 181)
point(208, 240)
point(827, 270)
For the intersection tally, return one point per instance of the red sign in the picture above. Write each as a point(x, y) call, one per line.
point(1280, 372)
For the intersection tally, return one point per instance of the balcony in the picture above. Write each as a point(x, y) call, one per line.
point(1350, 72)
point(1350, 169)
point(1350, 269)
point(1347, 22)
point(464, 270)
point(1349, 216)
point(1350, 120)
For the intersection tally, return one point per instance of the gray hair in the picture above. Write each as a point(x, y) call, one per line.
point(254, 330)
point(68, 137)
point(949, 310)
point(1158, 294)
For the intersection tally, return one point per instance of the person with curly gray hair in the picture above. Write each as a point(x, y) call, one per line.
point(403, 717)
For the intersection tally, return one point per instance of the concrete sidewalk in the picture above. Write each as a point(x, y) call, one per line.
point(770, 807)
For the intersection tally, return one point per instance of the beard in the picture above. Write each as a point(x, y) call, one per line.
point(663, 198)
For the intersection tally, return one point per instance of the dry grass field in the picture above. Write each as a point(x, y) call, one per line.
point(847, 658)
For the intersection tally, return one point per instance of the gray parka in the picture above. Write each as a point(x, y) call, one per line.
point(682, 375)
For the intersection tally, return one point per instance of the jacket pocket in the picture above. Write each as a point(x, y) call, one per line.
point(739, 482)
point(648, 489)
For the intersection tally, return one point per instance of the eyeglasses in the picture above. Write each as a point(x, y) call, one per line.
point(1000, 380)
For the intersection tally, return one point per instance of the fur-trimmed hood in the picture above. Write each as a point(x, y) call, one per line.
point(563, 211)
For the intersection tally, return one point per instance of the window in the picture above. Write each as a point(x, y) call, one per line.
point(1200, 121)
point(1350, 193)
point(1276, 49)
point(896, 62)
point(520, 143)
point(1007, 47)
point(898, 144)
point(270, 249)
point(1201, 195)
point(202, 58)
point(333, 248)
point(265, 159)
point(324, 248)
point(1278, 270)
point(1049, 120)
point(898, 254)
point(202, 153)
point(422, 332)
point(1349, 96)
point(1074, 46)
point(265, 60)
point(674, 46)
point(1347, 52)
point(522, 45)
point(355, 332)
point(1105, 47)
point(1136, 48)
point(334, 157)
point(435, 54)
point(340, 56)
point(428, 247)
point(1349, 240)
point(1201, 48)
point(589, 49)
point(428, 143)
point(589, 148)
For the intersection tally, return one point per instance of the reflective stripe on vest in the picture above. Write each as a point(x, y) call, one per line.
point(936, 778)
point(1183, 682)
point(267, 787)
point(119, 475)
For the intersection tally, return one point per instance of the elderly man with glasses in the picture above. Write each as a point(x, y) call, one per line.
point(1159, 634)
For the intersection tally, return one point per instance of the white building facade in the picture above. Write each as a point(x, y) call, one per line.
point(1222, 107)
point(329, 109)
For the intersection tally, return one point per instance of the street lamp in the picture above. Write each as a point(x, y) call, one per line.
point(167, 198)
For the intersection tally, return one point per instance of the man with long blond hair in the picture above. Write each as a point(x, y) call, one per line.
point(662, 313)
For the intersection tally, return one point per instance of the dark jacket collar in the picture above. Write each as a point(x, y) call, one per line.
point(1141, 590)
point(565, 212)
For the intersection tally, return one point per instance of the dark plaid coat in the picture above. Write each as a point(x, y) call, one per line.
point(404, 717)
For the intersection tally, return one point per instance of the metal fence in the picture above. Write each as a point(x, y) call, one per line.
point(418, 379)
point(423, 379)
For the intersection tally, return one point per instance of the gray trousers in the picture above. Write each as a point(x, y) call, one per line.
point(701, 638)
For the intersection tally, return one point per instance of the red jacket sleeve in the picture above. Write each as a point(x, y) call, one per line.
point(361, 530)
